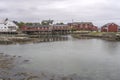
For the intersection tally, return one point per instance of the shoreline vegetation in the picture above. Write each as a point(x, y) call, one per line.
point(25, 39)
point(6, 39)
point(109, 36)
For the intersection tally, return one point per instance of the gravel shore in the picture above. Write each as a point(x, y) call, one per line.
point(10, 70)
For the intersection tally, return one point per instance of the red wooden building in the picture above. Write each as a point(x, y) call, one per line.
point(63, 27)
point(35, 28)
point(110, 27)
point(87, 26)
point(45, 28)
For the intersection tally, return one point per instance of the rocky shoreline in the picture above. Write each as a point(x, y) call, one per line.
point(24, 39)
point(18, 40)
point(10, 70)
point(104, 36)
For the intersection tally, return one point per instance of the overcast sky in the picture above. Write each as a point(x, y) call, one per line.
point(97, 11)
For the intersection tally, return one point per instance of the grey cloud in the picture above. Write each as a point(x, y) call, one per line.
point(98, 11)
point(3, 11)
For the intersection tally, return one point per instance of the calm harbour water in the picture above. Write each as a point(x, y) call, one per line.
point(93, 58)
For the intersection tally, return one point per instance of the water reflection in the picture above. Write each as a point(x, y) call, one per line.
point(92, 59)
point(53, 38)
point(111, 47)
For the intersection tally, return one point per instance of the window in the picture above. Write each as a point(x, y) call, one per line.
point(12, 27)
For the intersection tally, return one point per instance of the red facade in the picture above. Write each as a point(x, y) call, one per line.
point(45, 28)
point(87, 26)
point(28, 28)
point(60, 27)
point(110, 27)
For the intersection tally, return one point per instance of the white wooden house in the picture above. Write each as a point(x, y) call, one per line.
point(8, 26)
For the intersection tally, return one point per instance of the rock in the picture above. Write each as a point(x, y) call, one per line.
point(14, 56)
point(1, 53)
point(19, 56)
point(26, 60)
point(33, 78)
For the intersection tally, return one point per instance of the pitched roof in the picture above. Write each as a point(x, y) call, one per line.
point(56, 25)
point(37, 25)
point(2, 21)
point(108, 24)
point(81, 23)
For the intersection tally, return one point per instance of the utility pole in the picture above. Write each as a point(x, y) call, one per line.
point(72, 20)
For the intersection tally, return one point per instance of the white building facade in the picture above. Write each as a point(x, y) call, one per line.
point(8, 26)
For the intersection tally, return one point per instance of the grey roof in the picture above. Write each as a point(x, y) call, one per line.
point(56, 25)
point(37, 25)
point(76, 23)
point(108, 24)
